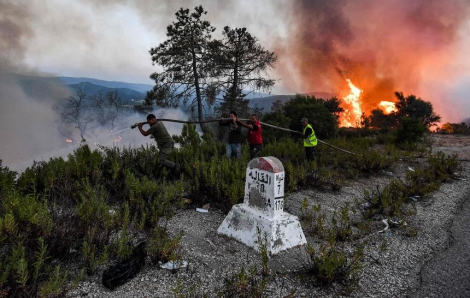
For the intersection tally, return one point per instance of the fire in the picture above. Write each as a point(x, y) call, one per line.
point(387, 106)
point(352, 117)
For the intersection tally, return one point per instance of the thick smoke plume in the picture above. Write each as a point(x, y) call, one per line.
point(382, 46)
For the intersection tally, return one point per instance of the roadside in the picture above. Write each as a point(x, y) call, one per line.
point(392, 265)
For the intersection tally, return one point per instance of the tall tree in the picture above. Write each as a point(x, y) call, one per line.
point(416, 108)
point(240, 61)
point(183, 57)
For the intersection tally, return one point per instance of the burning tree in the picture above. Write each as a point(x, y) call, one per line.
point(184, 59)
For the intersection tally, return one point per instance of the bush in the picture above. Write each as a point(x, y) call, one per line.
point(163, 248)
point(329, 264)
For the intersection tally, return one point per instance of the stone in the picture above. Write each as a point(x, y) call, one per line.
point(262, 210)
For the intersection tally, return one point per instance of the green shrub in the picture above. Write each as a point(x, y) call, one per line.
point(163, 248)
point(330, 264)
point(7, 180)
point(244, 285)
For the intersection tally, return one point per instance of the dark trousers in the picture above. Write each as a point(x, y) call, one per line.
point(310, 153)
point(255, 149)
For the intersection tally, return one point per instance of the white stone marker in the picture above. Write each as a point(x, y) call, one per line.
point(263, 209)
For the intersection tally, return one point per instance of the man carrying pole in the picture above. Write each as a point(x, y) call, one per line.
point(164, 141)
point(255, 139)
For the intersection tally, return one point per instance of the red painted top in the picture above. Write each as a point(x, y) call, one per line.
point(268, 164)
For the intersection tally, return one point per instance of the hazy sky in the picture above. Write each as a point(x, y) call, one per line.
point(419, 47)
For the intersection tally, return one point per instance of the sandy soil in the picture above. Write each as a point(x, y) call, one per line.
point(392, 265)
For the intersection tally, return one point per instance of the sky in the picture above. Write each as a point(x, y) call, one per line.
point(416, 47)
point(421, 45)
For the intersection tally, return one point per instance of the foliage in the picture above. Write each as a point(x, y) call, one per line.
point(454, 128)
point(410, 131)
point(163, 248)
point(390, 199)
point(240, 61)
point(185, 60)
point(416, 108)
point(328, 264)
point(7, 180)
point(323, 121)
point(244, 285)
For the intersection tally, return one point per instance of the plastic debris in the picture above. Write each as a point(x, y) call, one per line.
point(411, 169)
point(206, 206)
point(202, 210)
point(187, 201)
point(385, 221)
point(386, 173)
point(414, 198)
point(122, 272)
point(173, 265)
point(364, 206)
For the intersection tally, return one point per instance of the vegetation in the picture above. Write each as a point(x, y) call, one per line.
point(197, 69)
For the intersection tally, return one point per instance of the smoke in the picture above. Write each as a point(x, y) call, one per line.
point(27, 120)
point(382, 46)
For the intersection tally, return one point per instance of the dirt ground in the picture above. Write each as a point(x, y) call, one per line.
point(392, 265)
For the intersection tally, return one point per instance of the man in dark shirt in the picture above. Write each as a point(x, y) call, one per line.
point(255, 139)
point(164, 141)
point(234, 143)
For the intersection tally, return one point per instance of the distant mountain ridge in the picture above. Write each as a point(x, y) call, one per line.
point(127, 96)
point(132, 93)
point(142, 88)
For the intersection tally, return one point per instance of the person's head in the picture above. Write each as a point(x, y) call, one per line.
point(304, 121)
point(254, 117)
point(151, 119)
point(233, 115)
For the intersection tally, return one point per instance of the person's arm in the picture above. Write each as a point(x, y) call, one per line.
point(249, 126)
point(224, 122)
point(142, 131)
point(308, 132)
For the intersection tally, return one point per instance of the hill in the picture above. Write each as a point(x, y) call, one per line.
point(128, 96)
point(142, 88)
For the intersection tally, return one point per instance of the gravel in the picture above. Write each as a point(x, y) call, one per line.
point(395, 263)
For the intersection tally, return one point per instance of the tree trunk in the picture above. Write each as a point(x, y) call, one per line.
point(198, 92)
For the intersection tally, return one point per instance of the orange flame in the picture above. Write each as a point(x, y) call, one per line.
point(387, 106)
point(352, 118)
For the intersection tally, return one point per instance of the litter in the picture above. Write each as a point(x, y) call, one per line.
point(411, 169)
point(202, 210)
point(173, 265)
point(386, 173)
point(364, 206)
point(385, 221)
point(414, 198)
point(206, 206)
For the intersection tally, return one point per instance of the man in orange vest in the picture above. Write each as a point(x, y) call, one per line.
point(255, 139)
